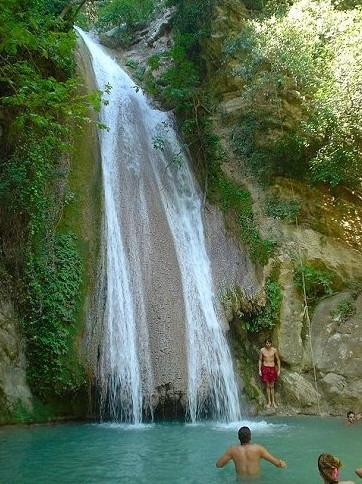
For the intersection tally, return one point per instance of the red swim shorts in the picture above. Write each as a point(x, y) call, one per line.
point(269, 374)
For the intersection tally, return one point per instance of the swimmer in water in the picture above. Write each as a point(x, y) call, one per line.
point(246, 456)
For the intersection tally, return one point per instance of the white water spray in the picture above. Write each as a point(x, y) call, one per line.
point(145, 194)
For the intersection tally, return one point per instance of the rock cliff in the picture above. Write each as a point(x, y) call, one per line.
point(320, 341)
point(15, 396)
point(320, 345)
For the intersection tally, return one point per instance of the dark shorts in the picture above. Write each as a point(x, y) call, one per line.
point(269, 374)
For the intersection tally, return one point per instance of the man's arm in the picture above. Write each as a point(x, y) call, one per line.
point(224, 459)
point(264, 454)
point(277, 361)
point(260, 361)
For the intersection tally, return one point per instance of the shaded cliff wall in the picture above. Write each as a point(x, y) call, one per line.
point(85, 218)
point(15, 396)
point(81, 216)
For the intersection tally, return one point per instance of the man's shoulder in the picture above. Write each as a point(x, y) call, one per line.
point(259, 449)
point(256, 447)
point(233, 448)
point(268, 350)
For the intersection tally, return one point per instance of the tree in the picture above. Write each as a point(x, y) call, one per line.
point(308, 58)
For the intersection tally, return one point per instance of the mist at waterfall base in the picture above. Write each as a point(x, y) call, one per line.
point(171, 453)
point(155, 272)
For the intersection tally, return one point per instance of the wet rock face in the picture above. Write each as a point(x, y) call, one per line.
point(323, 374)
point(14, 391)
point(231, 265)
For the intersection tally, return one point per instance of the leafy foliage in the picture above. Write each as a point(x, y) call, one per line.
point(268, 6)
point(282, 209)
point(310, 60)
point(346, 4)
point(264, 319)
point(316, 282)
point(232, 197)
point(53, 277)
point(125, 15)
point(192, 22)
point(42, 105)
point(344, 310)
point(181, 83)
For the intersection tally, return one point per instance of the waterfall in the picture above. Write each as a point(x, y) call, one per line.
point(162, 334)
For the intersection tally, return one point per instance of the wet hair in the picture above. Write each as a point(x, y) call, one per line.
point(244, 435)
point(328, 467)
point(267, 340)
point(350, 413)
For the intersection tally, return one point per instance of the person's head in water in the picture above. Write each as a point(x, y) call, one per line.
point(244, 435)
point(328, 467)
point(351, 416)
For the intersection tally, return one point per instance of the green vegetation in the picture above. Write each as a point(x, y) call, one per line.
point(53, 276)
point(234, 199)
point(344, 310)
point(42, 107)
point(21, 414)
point(264, 318)
point(282, 209)
point(180, 87)
point(347, 308)
point(307, 58)
point(254, 318)
point(126, 16)
point(315, 282)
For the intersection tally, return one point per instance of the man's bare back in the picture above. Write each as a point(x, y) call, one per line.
point(246, 456)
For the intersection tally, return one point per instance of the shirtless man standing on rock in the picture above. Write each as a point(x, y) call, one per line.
point(269, 369)
point(246, 456)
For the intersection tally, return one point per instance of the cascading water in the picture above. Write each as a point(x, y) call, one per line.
point(158, 306)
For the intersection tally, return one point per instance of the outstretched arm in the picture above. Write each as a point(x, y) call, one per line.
point(224, 459)
point(273, 460)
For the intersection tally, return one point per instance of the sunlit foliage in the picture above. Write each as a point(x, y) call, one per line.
point(125, 16)
point(302, 73)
